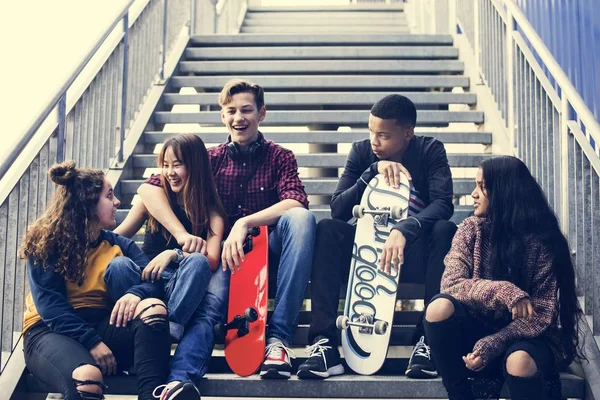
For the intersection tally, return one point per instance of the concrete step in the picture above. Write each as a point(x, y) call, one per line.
point(388, 83)
point(333, 19)
point(313, 186)
point(323, 211)
point(338, 99)
point(335, 67)
point(307, 39)
point(328, 160)
point(351, 386)
point(324, 137)
point(321, 52)
point(327, 117)
point(324, 29)
point(363, 8)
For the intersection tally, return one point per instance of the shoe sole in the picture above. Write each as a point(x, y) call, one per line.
point(273, 373)
point(310, 374)
point(416, 373)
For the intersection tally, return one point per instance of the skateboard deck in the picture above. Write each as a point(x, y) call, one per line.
point(247, 312)
point(371, 295)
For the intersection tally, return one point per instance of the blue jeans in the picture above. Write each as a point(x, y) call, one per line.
point(196, 300)
point(292, 242)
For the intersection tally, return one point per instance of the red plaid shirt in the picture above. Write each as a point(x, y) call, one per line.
point(242, 194)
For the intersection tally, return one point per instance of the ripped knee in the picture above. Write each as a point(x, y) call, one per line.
point(520, 363)
point(88, 382)
point(439, 309)
point(151, 312)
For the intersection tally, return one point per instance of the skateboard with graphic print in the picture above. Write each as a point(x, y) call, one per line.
point(366, 323)
point(245, 330)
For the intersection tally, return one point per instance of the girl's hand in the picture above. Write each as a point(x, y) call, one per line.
point(192, 244)
point(473, 361)
point(233, 248)
point(523, 309)
point(104, 358)
point(157, 265)
point(123, 310)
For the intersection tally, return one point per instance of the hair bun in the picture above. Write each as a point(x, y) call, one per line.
point(63, 173)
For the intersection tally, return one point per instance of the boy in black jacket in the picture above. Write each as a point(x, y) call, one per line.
point(419, 242)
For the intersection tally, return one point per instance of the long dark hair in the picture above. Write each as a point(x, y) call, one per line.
point(199, 193)
point(518, 208)
point(62, 237)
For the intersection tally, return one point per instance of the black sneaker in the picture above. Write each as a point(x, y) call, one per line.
point(421, 365)
point(323, 361)
point(185, 390)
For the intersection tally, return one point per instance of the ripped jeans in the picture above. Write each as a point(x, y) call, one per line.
point(144, 344)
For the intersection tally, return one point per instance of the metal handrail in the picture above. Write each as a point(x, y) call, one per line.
point(30, 133)
point(550, 63)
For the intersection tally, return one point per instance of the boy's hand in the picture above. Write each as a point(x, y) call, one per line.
point(233, 248)
point(391, 172)
point(392, 254)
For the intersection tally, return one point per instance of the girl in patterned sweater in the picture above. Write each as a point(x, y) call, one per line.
point(499, 307)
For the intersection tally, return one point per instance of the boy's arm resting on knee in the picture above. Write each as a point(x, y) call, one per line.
point(458, 280)
point(270, 215)
point(49, 294)
point(543, 298)
point(351, 186)
point(158, 206)
point(133, 221)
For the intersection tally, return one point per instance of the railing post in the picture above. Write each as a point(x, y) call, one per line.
point(452, 17)
point(62, 118)
point(564, 164)
point(124, 87)
point(476, 50)
point(164, 40)
point(510, 79)
point(192, 17)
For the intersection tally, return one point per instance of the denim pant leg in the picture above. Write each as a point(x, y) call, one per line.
point(185, 290)
point(293, 239)
point(120, 275)
point(193, 353)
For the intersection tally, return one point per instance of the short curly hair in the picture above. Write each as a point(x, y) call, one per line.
point(398, 107)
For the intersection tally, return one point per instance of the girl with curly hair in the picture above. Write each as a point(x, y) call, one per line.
point(507, 297)
point(196, 288)
point(72, 339)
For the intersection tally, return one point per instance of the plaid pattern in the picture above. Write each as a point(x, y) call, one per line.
point(245, 192)
point(468, 278)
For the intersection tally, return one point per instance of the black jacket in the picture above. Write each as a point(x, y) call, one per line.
point(426, 161)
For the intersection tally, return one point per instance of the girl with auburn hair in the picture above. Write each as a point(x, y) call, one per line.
point(507, 297)
point(71, 337)
point(196, 289)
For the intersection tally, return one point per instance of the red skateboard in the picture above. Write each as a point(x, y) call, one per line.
point(247, 313)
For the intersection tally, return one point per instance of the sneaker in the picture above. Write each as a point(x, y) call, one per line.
point(277, 364)
point(323, 361)
point(421, 365)
point(185, 390)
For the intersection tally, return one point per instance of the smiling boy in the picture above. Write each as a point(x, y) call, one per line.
point(257, 181)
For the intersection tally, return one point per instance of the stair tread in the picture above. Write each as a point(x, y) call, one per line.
point(314, 39)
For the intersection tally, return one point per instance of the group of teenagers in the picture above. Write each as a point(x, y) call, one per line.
point(499, 288)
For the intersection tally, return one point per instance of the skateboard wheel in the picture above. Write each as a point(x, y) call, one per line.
point(251, 314)
point(254, 231)
point(396, 212)
point(219, 330)
point(358, 211)
point(342, 322)
point(380, 327)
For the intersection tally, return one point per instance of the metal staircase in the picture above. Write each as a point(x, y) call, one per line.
point(322, 69)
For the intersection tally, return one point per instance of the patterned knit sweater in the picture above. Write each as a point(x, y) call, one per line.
point(468, 278)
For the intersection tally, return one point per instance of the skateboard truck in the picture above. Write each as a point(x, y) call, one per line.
point(365, 324)
point(248, 242)
point(241, 323)
point(380, 215)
